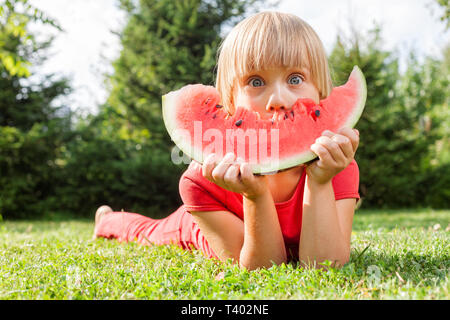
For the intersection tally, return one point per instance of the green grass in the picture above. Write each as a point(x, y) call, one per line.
point(395, 255)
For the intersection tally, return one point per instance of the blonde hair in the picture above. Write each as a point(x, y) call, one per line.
point(270, 39)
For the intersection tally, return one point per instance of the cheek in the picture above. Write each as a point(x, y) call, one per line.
point(245, 98)
point(315, 94)
point(311, 92)
point(238, 97)
point(316, 98)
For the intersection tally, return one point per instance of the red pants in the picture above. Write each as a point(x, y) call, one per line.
point(179, 228)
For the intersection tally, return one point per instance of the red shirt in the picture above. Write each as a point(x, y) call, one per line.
point(199, 194)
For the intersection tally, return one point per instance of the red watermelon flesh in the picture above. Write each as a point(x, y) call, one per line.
point(199, 125)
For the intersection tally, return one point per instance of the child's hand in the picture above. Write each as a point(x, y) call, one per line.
point(234, 175)
point(335, 152)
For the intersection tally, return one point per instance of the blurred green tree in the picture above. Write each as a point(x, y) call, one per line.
point(445, 4)
point(13, 32)
point(424, 95)
point(32, 127)
point(396, 137)
point(123, 154)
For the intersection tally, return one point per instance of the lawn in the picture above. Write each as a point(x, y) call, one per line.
point(402, 254)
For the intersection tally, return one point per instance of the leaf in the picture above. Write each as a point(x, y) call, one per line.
point(362, 252)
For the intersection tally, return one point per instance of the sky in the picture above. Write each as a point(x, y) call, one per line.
point(84, 51)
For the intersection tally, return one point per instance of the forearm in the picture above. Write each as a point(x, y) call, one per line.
point(321, 235)
point(263, 239)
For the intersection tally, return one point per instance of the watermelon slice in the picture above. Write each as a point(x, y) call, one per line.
point(199, 125)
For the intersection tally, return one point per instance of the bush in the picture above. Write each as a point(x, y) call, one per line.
point(28, 168)
point(123, 174)
point(435, 190)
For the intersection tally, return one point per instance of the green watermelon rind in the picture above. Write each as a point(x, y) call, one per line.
point(169, 102)
point(353, 120)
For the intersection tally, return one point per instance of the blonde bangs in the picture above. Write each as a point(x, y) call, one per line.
point(266, 40)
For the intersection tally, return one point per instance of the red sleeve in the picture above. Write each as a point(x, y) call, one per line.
point(346, 182)
point(199, 194)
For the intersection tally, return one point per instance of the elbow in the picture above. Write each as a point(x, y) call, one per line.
point(344, 257)
point(342, 260)
point(326, 262)
point(249, 264)
point(253, 264)
point(252, 258)
point(339, 260)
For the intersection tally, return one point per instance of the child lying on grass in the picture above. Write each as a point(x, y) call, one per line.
point(304, 213)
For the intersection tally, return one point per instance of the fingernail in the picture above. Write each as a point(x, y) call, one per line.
point(357, 131)
point(212, 158)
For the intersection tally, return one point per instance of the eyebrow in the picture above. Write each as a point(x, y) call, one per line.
point(305, 71)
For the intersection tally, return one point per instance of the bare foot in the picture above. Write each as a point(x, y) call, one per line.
point(101, 211)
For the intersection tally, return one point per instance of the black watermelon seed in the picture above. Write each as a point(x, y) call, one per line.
point(214, 115)
point(239, 122)
point(317, 113)
point(292, 112)
point(219, 106)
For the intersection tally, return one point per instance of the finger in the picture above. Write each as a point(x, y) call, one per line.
point(323, 154)
point(332, 147)
point(343, 142)
point(353, 135)
point(231, 176)
point(208, 166)
point(345, 145)
point(328, 133)
point(222, 167)
point(246, 171)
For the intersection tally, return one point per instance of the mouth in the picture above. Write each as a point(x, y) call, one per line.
point(281, 115)
point(276, 115)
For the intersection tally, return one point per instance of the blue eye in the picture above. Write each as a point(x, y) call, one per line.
point(295, 79)
point(256, 82)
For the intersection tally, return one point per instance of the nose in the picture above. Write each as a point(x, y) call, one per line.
point(274, 105)
point(277, 101)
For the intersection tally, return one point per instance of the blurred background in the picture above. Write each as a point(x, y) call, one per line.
point(81, 84)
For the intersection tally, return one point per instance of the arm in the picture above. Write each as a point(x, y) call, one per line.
point(224, 232)
point(255, 242)
point(327, 224)
point(263, 239)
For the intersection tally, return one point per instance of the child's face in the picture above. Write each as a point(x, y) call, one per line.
point(276, 89)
